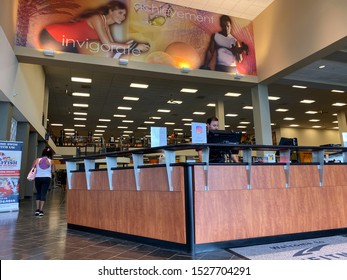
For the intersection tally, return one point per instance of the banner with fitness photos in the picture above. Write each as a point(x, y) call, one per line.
point(139, 30)
point(10, 161)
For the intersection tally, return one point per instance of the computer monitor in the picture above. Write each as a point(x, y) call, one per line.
point(224, 137)
point(288, 141)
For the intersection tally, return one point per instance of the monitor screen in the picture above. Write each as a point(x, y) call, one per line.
point(224, 137)
point(288, 141)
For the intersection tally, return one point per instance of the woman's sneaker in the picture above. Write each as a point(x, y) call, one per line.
point(37, 212)
point(41, 213)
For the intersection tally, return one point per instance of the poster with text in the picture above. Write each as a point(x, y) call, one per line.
point(10, 161)
point(146, 31)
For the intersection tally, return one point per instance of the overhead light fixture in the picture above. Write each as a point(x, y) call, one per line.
point(247, 107)
point(48, 53)
point(307, 101)
point(281, 110)
point(211, 105)
point(80, 119)
point(185, 69)
point(122, 127)
point(120, 116)
point(232, 94)
point(339, 104)
point(104, 120)
point(199, 113)
point(124, 108)
point(99, 130)
point(231, 115)
point(274, 98)
point(80, 105)
point(175, 101)
point(296, 86)
point(163, 111)
point(338, 91)
point(311, 112)
point(134, 85)
point(80, 113)
point(131, 98)
point(169, 123)
point(81, 94)
point(80, 125)
point(187, 120)
point(288, 119)
point(149, 122)
point(294, 125)
point(81, 80)
point(101, 126)
point(188, 90)
point(56, 124)
point(314, 120)
point(123, 61)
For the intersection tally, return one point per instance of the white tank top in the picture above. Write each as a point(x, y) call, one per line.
point(44, 167)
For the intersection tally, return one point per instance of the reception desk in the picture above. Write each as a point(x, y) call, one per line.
point(200, 206)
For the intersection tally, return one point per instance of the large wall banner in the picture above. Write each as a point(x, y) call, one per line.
point(139, 30)
point(10, 160)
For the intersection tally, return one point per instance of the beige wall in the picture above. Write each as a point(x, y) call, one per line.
point(310, 137)
point(290, 33)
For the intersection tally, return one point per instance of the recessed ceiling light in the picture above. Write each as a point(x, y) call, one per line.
point(247, 107)
point(101, 126)
point(314, 120)
point(199, 113)
point(80, 119)
point(81, 80)
point(294, 125)
point(296, 86)
point(155, 118)
point(135, 85)
point(80, 113)
point(149, 122)
point(187, 120)
point(127, 121)
point(241, 126)
point(189, 90)
point(231, 115)
point(80, 125)
point(69, 129)
point(245, 122)
point(70, 133)
point(311, 112)
point(178, 129)
point(338, 91)
point(211, 105)
point(274, 97)
point(82, 94)
point(142, 128)
point(335, 114)
point(128, 131)
point(335, 122)
point(288, 119)
point(282, 110)
point(99, 130)
point(119, 116)
point(232, 94)
point(104, 120)
point(187, 124)
point(80, 105)
point(163, 111)
point(169, 123)
point(321, 67)
point(307, 101)
point(175, 101)
point(131, 98)
point(124, 108)
point(339, 104)
point(97, 134)
point(56, 124)
point(122, 127)
point(316, 126)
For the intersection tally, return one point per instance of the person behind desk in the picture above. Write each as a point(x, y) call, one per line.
point(216, 155)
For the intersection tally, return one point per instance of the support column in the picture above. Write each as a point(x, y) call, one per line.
point(220, 114)
point(261, 115)
point(23, 129)
point(342, 122)
point(6, 112)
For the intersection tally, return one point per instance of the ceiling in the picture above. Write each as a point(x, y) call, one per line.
point(108, 89)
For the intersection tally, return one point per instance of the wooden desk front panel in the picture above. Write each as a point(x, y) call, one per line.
point(268, 176)
point(303, 176)
point(241, 214)
point(123, 180)
point(155, 213)
point(335, 175)
point(221, 177)
point(78, 181)
point(99, 180)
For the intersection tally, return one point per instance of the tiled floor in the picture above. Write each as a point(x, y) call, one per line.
point(24, 236)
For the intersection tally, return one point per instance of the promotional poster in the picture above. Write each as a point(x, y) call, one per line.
point(146, 31)
point(10, 161)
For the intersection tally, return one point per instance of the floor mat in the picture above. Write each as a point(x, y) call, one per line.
point(325, 248)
